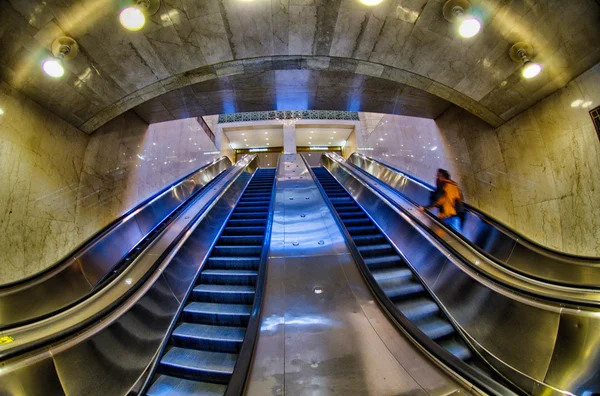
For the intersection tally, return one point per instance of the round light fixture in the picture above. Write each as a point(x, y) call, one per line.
point(134, 17)
point(469, 27)
point(531, 69)
point(459, 11)
point(63, 48)
point(522, 52)
point(53, 68)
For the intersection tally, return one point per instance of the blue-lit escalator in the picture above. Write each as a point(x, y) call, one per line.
point(392, 273)
point(203, 347)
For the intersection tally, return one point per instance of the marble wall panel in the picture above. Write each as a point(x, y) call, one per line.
point(539, 173)
point(41, 159)
point(128, 160)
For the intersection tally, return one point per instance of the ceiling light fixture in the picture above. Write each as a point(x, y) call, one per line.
point(63, 48)
point(459, 11)
point(371, 2)
point(134, 17)
point(522, 52)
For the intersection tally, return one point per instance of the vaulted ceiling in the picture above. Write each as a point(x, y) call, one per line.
point(191, 41)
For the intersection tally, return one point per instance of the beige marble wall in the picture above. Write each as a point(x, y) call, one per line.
point(351, 145)
point(539, 173)
point(128, 160)
point(41, 159)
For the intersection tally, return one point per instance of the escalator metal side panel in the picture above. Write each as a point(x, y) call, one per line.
point(80, 275)
point(490, 318)
point(111, 356)
point(494, 239)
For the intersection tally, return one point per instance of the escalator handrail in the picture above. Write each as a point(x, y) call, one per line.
point(238, 380)
point(114, 304)
point(515, 235)
point(404, 324)
point(497, 272)
point(83, 246)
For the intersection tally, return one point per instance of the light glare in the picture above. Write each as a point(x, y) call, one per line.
point(531, 70)
point(53, 68)
point(469, 27)
point(371, 2)
point(132, 18)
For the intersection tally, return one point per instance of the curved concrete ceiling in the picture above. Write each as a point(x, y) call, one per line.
point(297, 87)
point(406, 41)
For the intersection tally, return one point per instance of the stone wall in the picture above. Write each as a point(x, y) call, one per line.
point(128, 161)
point(59, 186)
point(539, 173)
point(41, 159)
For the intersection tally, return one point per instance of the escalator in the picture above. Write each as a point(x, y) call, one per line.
point(202, 350)
point(446, 303)
point(392, 274)
point(486, 236)
point(101, 258)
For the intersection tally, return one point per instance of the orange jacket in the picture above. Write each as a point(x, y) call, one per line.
point(448, 200)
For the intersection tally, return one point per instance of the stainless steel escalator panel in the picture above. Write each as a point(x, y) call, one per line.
point(79, 276)
point(496, 240)
point(138, 325)
point(522, 336)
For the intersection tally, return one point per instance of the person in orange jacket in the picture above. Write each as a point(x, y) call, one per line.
point(449, 199)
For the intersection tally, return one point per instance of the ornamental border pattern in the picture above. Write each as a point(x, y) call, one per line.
point(289, 114)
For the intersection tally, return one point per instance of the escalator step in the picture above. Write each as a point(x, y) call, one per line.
point(166, 385)
point(375, 263)
point(362, 230)
point(235, 294)
point(418, 308)
point(396, 291)
point(246, 222)
point(362, 240)
point(198, 365)
point(357, 222)
point(228, 277)
point(241, 208)
point(374, 250)
point(392, 275)
point(457, 349)
point(244, 230)
point(249, 215)
point(229, 262)
point(217, 313)
point(435, 328)
point(240, 240)
point(208, 337)
point(352, 215)
point(237, 250)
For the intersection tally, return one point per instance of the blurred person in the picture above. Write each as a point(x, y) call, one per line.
point(448, 198)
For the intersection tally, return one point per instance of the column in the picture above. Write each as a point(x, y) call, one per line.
point(289, 139)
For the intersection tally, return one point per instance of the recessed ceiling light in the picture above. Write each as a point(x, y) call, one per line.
point(469, 27)
point(371, 2)
point(266, 138)
point(246, 145)
point(381, 139)
point(312, 131)
point(267, 144)
point(245, 140)
point(334, 132)
point(243, 134)
point(266, 133)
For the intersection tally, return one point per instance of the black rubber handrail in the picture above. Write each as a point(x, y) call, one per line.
point(238, 380)
point(477, 378)
point(482, 215)
point(105, 230)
